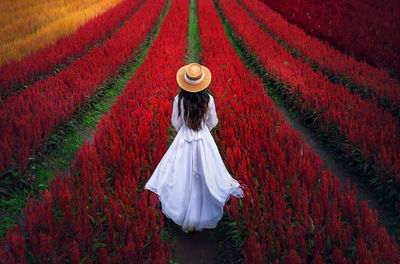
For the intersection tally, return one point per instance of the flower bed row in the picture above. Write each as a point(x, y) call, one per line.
point(101, 213)
point(17, 73)
point(357, 122)
point(367, 29)
point(371, 80)
point(28, 118)
point(293, 210)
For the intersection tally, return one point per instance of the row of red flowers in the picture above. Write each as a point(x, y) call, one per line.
point(365, 28)
point(28, 119)
point(342, 115)
point(373, 80)
point(16, 73)
point(101, 214)
point(293, 210)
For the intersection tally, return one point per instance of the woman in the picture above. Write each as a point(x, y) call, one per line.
point(191, 180)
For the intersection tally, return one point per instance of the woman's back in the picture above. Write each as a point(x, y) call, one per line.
point(191, 179)
point(211, 119)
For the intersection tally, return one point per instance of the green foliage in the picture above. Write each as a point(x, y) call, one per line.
point(193, 35)
point(58, 151)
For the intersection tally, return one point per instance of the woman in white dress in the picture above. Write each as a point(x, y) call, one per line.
point(191, 180)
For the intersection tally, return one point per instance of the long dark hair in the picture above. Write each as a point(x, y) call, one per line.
point(196, 107)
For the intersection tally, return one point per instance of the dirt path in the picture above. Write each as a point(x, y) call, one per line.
point(386, 217)
point(364, 192)
point(195, 247)
point(203, 247)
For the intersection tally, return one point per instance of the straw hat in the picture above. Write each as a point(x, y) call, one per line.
point(193, 77)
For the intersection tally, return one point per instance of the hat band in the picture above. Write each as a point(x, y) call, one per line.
point(195, 81)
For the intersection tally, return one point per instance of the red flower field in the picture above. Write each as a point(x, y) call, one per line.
point(294, 209)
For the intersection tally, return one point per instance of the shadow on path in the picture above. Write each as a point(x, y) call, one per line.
point(196, 247)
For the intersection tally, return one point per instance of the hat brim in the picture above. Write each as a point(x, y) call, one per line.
point(193, 88)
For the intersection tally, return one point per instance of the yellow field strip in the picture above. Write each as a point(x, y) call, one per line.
point(9, 16)
point(45, 36)
point(41, 17)
point(13, 6)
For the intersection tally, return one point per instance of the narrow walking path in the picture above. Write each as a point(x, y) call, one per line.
point(207, 246)
point(386, 217)
point(195, 247)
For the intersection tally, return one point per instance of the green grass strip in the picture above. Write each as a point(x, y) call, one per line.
point(192, 54)
point(69, 137)
point(226, 236)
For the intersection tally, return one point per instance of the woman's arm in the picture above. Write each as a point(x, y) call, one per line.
point(175, 119)
point(212, 119)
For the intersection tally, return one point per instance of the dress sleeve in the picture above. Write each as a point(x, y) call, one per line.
point(175, 119)
point(212, 119)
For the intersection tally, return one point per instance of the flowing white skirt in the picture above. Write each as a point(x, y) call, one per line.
point(192, 181)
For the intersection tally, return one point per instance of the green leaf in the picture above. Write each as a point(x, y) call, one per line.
point(99, 245)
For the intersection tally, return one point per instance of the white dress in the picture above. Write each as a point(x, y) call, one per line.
point(191, 179)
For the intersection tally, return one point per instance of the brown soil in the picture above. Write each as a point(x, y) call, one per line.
point(196, 247)
point(364, 192)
